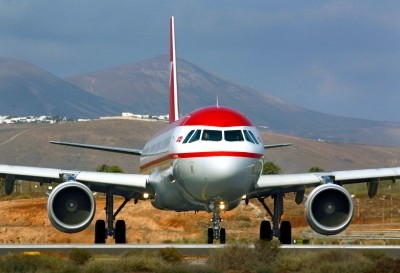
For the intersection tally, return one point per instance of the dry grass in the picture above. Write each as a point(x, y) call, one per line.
point(263, 258)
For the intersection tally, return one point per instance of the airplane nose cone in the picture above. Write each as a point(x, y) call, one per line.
point(224, 177)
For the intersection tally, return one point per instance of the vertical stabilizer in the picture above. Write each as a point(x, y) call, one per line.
point(173, 89)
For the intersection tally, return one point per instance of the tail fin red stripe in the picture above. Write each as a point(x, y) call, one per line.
point(173, 90)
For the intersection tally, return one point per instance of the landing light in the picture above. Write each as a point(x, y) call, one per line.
point(222, 206)
point(145, 195)
point(244, 197)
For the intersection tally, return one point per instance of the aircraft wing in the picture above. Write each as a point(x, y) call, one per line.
point(97, 180)
point(101, 148)
point(294, 181)
point(269, 146)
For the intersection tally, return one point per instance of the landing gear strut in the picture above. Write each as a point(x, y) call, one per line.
point(284, 232)
point(119, 232)
point(216, 232)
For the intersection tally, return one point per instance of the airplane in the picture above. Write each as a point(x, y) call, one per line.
point(209, 160)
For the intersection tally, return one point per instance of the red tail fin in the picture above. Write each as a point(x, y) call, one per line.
point(173, 89)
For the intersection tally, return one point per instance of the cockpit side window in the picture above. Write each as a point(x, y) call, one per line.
point(248, 136)
point(255, 139)
point(211, 135)
point(188, 136)
point(233, 135)
point(196, 136)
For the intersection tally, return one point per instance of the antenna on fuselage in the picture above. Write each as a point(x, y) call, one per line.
point(217, 101)
point(173, 85)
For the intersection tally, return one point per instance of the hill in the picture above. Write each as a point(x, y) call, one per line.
point(143, 87)
point(29, 145)
point(28, 90)
point(25, 221)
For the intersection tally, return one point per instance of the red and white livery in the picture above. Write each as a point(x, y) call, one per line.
point(209, 160)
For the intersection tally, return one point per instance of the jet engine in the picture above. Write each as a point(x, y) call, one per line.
point(329, 209)
point(71, 207)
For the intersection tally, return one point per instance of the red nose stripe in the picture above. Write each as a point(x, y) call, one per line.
point(166, 158)
point(217, 153)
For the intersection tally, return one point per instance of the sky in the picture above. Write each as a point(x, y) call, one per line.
point(337, 57)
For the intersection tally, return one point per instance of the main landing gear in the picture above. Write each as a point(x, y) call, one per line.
point(216, 232)
point(119, 232)
point(284, 232)
point(280, 229)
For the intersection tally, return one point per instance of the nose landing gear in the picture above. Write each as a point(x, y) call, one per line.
point(216, 232)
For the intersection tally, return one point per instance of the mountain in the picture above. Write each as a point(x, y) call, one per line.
point(29, 90)
point(143, 87)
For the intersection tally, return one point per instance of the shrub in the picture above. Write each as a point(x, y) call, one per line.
point(264, 269)
point(18, 263)
point(340, 261)
point(374, 255)
point(244, 257)
point(101, 266)
point(267, 249)
point(104, 168)
point(288, 261)
point(185, 268)
point(386, 265)
point(243, 218)
point(271, 168)
point(142, 261)
point(170, 255)
point(80, 256)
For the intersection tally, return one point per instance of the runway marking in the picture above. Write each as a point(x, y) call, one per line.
point(17, 135)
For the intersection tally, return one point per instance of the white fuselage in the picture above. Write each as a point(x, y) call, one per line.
point(192, 165)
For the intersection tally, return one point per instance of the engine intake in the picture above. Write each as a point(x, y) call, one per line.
point(329, 209)
point(71, 207)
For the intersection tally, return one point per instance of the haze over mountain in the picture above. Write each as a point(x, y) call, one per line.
point(28, 90)
point(143, 88)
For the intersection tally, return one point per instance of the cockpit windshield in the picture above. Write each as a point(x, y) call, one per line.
point(196, 136)
point(253, 137)
point(212, 135)
point(188, 136)
point(216, 135)
point(250, 137)
point(233, 135)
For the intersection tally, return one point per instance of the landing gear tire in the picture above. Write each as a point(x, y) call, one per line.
point(120, 232)
point(210, 236)
point(286, 233)
point(222, 236)
point(100, 232)
point(265, 231)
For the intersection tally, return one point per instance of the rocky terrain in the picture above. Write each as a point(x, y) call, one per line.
point(26, 221)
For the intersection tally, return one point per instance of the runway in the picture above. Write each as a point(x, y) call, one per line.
point(185, 249)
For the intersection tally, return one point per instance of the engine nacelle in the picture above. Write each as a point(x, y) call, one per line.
point(329, 209)
point(71, 207)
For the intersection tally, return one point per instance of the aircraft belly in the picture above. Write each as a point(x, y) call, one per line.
point(223, 177)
